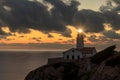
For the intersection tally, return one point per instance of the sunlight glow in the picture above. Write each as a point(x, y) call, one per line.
point(80, 30)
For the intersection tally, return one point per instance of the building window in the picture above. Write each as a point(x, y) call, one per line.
point(78, 57)
point(67, 56)
point(73, 57)
point(73, 51)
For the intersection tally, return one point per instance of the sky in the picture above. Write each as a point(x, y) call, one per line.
point(53, 24)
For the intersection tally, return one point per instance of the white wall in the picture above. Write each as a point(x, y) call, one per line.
point(71, 53)
point(76, 53)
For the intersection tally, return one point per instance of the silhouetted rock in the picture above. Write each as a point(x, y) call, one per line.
point(103, 55)
point(114, 60)
point(56, 71)
point(107, 69)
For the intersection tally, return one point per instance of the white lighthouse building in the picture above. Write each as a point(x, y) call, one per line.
point(80, 51)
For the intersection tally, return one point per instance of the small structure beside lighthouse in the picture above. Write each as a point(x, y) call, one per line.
point(80, 51)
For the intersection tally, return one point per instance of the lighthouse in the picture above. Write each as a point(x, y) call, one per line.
point(80, 51)
point(80, 40)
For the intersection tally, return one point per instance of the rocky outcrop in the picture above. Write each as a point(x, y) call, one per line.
point(57, 71)
point(108, 73)
point(73, 71)
point(107, 68)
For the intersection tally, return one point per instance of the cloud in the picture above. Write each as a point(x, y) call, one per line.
point(50, 36)
point(54, 15)
point(93, 21)
point(111, 13)
point(21, 36)
point(93, 38)
point(67, 33)
point(111, 34)
point(37, 39)
point(70, 41)
point(22, 15)
point(90, 20)
point(65, 11)
point(3, 34)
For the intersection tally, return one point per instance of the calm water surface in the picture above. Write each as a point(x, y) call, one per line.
point(15, 65)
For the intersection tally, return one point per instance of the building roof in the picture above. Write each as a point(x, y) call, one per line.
point(68, 50)
point(84, 50)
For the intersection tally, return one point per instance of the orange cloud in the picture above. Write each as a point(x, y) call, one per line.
point(36, 36)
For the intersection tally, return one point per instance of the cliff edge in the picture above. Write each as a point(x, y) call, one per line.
point(56, 71)
point(107, 67)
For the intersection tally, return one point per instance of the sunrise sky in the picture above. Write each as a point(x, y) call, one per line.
point(53, 24)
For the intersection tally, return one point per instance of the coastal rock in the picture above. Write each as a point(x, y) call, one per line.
point(56, 71)
point(73, 71)
point(107, 68)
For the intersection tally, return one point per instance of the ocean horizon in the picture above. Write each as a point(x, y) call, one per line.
point(27, 50)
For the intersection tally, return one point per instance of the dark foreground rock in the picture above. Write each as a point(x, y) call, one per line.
point(56, 71)
point(106, 68)
point(71, 71)
point(107, 73)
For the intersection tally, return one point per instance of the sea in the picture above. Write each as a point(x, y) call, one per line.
point(15, 65)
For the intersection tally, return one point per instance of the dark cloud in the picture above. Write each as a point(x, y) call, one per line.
point(2, 37)
point(50, 36)
point(67, 33)
point(111, 13)
point(99, 39)
point(21, 15)
point(111, 34)
point(36, 39)
point(65, 11)
point(93, 38)
point(93, 21)
point(90, 20)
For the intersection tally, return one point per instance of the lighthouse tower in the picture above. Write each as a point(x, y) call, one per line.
point(80, 51)
point(80, 40)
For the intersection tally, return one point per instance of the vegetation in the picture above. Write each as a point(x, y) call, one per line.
point(103, 55)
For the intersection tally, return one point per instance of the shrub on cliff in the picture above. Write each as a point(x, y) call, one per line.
point(104, 54)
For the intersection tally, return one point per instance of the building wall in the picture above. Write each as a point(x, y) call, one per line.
point(94, 52)
point(88, 55)
point(72, 54)
point(75, 54)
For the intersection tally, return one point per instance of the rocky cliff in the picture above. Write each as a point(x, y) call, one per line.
point(107, 68)
point(56, 71)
